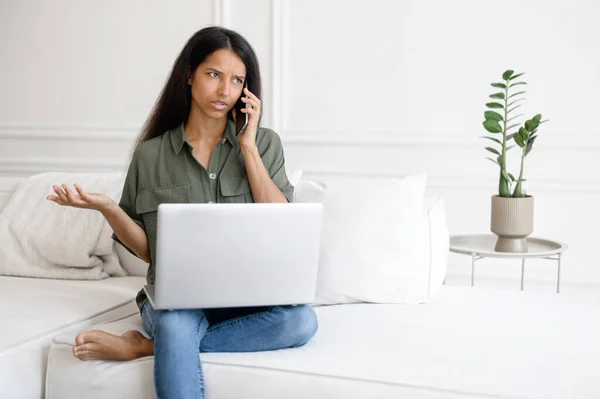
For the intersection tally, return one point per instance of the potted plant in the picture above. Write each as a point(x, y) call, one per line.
point(512, 208)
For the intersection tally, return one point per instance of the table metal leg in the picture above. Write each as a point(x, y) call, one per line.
point(522, 272)
point(558, 277)
point(473, 258)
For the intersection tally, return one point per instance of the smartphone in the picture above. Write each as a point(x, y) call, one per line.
point(246, 114)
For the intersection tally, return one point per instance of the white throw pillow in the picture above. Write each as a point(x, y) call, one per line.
point(43, 239)
point(374, 245)
point(294, 176)
point(131, 263)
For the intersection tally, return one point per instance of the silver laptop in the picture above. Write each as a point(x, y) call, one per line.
point(236, 255)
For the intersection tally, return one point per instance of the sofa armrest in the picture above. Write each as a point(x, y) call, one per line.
point(439, 243)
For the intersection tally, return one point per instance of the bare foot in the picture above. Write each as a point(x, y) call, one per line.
point(100, 345)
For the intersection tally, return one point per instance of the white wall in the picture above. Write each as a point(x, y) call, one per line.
point(387, 87)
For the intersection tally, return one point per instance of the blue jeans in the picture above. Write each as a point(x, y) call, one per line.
point(180, 335)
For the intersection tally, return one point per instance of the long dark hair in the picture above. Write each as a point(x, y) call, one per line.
point(174, 103)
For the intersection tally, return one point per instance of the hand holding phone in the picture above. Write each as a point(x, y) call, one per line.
point(246, 114)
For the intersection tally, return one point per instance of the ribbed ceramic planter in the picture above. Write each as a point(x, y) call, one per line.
point(512, 222)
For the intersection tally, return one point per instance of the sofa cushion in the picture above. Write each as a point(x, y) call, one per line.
point(33, 310)
point(466, 343)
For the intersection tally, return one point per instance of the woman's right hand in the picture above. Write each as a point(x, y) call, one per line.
point(64, 196)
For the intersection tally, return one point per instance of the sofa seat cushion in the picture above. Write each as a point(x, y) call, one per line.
point(32, 311)
point(466, 343)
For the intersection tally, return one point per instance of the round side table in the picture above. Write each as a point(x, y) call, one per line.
point(480, 246)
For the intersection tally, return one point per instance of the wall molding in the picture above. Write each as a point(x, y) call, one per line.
point(220, 13)
point(280, 46)
point(354, 137)
point(24, 166)
point(467, 182)
point(279, 56)
point(70, 131)
point(389, 137)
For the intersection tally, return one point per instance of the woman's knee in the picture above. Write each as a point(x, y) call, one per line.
point(179, 323)
point(299, 324)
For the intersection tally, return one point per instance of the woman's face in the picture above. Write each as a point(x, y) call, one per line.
point(217, 83)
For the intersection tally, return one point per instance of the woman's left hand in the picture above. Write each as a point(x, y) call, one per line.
point(247, 138)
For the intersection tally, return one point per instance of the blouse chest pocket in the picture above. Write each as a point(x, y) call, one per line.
point(147, 201)
point(235, 190)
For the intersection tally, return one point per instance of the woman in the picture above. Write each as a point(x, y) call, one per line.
point(192, 150)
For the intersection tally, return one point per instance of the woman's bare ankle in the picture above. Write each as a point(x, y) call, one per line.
point(140, 345)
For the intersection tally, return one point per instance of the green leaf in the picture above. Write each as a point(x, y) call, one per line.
point(516, 84)
point(492, 150)
point(497, 95)
point(529, 146)
point(516, 94)
point(493, 139)
point(512, 178)
point(529, 125)
point(513, 108)
point(517, 75)
point(510, 136)
point(537, 118)
point(499, 85)
point(509, 147)
point(505, 175)
point(528, 149)
point(494, 105)
point(507, 74)
point(519, 140)
point(523, 133)
point(493, 116)
point(492, 126)
point(496, 162)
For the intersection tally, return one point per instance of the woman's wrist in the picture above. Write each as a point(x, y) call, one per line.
point(249, 150)
point(110, 208)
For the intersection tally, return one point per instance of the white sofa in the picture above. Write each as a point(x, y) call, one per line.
point(291, 371)
point(466, 343)
point(33, 311)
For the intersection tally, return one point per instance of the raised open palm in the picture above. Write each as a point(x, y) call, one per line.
point(79, 199)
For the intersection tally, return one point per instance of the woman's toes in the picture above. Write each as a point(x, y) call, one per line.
point(80, 338)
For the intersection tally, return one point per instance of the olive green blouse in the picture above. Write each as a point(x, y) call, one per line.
point(163, 170)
